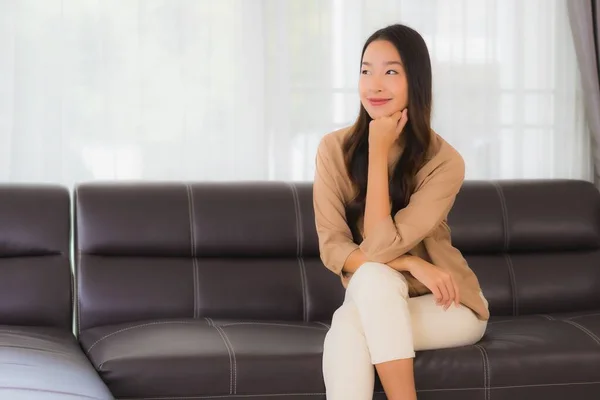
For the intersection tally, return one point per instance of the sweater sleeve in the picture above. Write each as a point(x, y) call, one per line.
point(427, 208)
point(335, 237)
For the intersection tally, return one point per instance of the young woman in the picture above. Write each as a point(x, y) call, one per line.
point(382, 192)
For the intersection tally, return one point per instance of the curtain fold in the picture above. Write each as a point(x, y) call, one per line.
point(584, 17)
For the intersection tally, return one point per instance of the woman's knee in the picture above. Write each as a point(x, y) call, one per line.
point(345, 319)
point(346, 330)
point(377, 278)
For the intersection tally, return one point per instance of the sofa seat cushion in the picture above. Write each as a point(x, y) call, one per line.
point(524, 357)
point(205, 357)
point(46, 364)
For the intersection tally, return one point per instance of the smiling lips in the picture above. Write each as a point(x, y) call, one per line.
point(375, 101)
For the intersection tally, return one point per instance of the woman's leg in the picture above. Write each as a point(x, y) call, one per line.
point(347, 368)
point(432, 328)
point(387, 326)
point(380, 295)
point(371, 327)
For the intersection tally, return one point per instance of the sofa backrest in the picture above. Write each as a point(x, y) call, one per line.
point(250, 250)
point(535, 245)
point(35, 272)
point(220, 250)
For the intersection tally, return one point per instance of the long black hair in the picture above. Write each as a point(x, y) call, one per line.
point(416, 134)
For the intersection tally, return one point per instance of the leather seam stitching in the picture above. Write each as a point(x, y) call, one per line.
point(228, 343)
point(513, 283)
point(233, 356)
point(304, 288)
point(504, 214)
point(134, 327)
point(506, 245)
point(486, 377)
point(299, 246)
point(270, 324)
point(321, 394)
point(210, 322)
point(299, 227)
point(584, 330)
point(191, 212)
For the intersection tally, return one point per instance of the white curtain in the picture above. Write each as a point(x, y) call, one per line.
point(244, 89)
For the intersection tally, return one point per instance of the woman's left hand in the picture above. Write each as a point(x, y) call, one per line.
point(383, 132)
point(440, 282)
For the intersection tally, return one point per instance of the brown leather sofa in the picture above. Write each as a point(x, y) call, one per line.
point(216, 290)
point(40, 358)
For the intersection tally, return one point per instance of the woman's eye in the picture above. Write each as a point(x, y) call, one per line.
point(392, 72)
point(365, 72)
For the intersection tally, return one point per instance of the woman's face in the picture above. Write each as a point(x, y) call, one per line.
point(383, 86)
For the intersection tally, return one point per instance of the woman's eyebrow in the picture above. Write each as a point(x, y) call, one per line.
point(368, 64)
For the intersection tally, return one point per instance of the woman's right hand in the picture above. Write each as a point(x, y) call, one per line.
point(437, 280)
point(384, 131)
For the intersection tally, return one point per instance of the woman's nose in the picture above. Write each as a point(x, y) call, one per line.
point(376, 85)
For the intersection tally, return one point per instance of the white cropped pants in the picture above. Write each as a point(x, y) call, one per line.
point(378, 322)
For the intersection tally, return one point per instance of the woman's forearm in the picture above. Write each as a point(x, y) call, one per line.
point(358, 258)
point(377, 208)
point(402, 263)
point(354, 260)
point(377, 203)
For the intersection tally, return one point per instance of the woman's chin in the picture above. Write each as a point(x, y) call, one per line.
point(377, 113)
